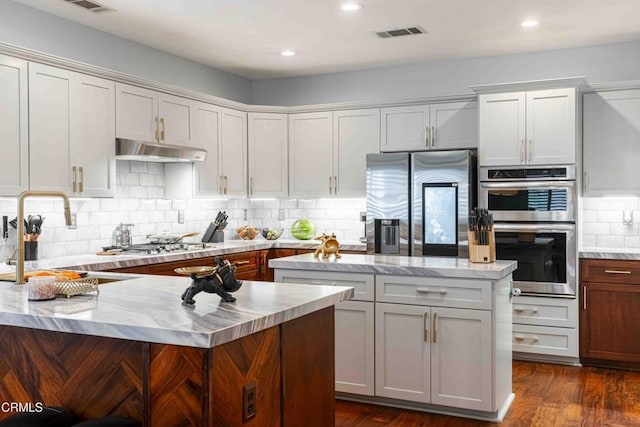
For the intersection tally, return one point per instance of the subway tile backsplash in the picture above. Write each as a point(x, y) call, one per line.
point(140, 200)
point(610, 223)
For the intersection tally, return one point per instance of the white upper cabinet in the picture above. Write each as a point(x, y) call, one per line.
point(206, 135)
point(327, 152)
point(310, 154)
point(528, 128)
point(14, 126)
point(445, 126)
point(148, 115)
point(93, 137)
point(611, 143)
point(72, 132)
point(233, 153)
point(268, 155)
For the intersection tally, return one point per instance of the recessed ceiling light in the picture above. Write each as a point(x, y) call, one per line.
point(529, 24)
point(351, 7)
point(287, 53)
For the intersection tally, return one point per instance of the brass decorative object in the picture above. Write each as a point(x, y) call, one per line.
point(329, 245)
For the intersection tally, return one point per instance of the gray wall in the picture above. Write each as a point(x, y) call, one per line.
point(27, 27)
point(600, 64)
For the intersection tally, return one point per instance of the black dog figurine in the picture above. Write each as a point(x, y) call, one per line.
point(221, 281)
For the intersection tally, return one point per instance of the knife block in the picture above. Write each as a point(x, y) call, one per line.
point(482, 253)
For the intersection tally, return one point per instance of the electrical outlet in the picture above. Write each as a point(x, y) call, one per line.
point(180, 217)
point(73, 222)
point(245, 215)
point(248, 401)
point(281, 214)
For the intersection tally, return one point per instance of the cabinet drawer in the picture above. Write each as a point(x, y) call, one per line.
point(610, 271)
point(545, 340)
point(433, 291)
point(557, 312)
point(362, 283)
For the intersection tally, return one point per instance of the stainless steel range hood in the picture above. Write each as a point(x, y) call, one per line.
point(131, 149)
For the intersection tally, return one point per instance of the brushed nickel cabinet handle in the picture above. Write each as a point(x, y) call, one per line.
point(329, 185)
point(433, 136)
point(157, 128)
point(522, 151)
point(226, 184)
point(522, 309)
point(75, 177)
point(617, 272)
point(431, 291)
point(221, 186)
point(584, 297)
point(425, 322)
point(162, 131)
point(427, 136)
point(335, 185)
point(250, 186)
point(521, 338)
point(530, 151)
point(81, 185)
point(435, 326)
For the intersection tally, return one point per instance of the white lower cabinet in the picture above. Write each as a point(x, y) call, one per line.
point(544, 328)
point(354, 325)
point(434, 355)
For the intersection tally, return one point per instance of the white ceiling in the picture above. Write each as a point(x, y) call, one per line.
point(245, 37)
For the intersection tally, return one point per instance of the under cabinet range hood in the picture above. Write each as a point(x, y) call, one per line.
point(131, 149)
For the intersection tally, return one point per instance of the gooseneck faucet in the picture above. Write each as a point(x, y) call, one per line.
point(20, 225)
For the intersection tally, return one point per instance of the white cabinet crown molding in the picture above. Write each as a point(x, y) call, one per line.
point(566, 82)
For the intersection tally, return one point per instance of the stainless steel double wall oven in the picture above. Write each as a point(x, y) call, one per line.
point(534, 210)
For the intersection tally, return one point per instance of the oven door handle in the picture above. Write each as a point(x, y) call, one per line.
point(512, 185)
point(534, 228)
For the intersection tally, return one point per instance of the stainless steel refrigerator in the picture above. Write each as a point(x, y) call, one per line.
point(418, 203)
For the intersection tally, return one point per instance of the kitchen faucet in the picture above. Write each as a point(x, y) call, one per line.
point(20, 225)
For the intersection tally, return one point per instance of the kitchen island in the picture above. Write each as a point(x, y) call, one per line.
point(425, 333)
point(135, 351)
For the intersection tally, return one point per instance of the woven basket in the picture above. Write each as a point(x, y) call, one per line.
point(70, 288)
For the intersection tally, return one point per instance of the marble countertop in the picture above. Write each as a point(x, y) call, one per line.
point(92, 262)
point(399, 265)
point(149, 309)
point(610, 253)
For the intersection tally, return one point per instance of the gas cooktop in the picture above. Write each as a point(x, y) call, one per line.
point(158, 248)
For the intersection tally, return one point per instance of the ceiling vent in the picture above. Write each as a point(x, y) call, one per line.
point(411, 31)
point(89, 5)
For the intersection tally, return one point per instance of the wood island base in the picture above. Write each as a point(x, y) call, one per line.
point(291, 365)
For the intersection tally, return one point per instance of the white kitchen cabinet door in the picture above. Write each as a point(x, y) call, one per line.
point(176, 119)
point(14, 126)
point(403, 359)
point(207, 135)
point(233, 153)
point(611, 143)
point(356, 133)
point(93, 147)
point(354, 327)
point(311, 154)
point(502, 119)
point(454, 125)
point(404, 128)
point(461, 359)
point(268, 168)
point(551, 127)
point(136, 113)
point(50, 128)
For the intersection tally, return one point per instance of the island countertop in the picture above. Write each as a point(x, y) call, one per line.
point(399, 265)
point(149, 309)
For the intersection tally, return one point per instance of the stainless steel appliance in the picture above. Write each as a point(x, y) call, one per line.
point(418, 203)
point(535, 223)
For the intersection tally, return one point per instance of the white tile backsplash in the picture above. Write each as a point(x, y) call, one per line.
point(140, 199)
point(602, 223)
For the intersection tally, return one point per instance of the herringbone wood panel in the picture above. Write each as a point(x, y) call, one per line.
point(252, 359)
point(95, 376)
point(177, 383)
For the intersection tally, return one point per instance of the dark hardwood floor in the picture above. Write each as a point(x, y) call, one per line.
point(546, 395)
